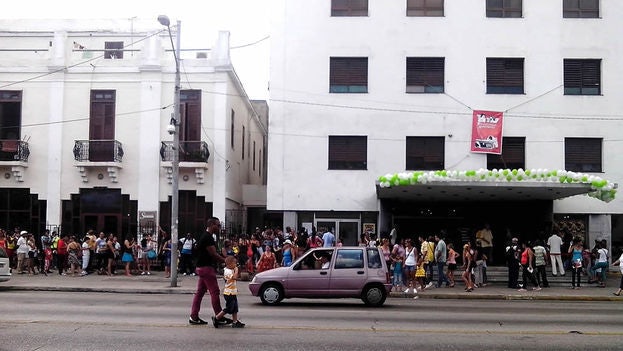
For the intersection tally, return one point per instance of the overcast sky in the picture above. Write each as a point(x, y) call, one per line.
point(247, 20)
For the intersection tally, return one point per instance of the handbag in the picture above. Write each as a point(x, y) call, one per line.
point(151, 254)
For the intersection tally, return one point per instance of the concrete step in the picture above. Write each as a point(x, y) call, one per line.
point(499, 275)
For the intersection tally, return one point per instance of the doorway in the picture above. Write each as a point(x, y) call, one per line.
point(345, 230)
point(107, 223)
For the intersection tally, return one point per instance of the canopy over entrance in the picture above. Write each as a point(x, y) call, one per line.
point(482, 191)
point(496, 185)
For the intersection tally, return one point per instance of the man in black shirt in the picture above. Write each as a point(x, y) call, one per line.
point(208, 260)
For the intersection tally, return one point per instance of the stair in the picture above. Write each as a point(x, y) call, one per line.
point(498, 275)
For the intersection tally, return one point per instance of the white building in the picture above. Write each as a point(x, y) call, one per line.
point(84, 109)
point(359, 89)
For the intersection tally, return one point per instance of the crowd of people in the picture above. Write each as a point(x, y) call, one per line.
point(91, 254)
point(411, 264)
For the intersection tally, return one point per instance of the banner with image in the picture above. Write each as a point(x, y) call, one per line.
point(487, 132)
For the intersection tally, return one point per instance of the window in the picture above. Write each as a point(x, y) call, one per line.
point(348, 75)
point(425, 153)
point(232, 135)
point(504, 8)
point(254, 155)
point(583, 154)
point(513, 154)
point(242, 148)
point(425, 8)
point(348, 152)
point(349, 258)
point(505, 76)
point(582, 77)
point(374, 258)
point(113, 50)
point(11, 114)
point(425, 74)
point(102, 126)
point(349, 8)
point(580, 8)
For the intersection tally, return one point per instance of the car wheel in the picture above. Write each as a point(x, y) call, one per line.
point(271, 294)
point(374, 295)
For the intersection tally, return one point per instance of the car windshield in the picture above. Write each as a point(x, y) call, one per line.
point(3, 253)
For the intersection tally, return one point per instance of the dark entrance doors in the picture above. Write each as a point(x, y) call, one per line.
point(100, 210)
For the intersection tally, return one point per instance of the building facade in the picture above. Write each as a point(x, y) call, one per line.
point(84, 109)
point(363, 88)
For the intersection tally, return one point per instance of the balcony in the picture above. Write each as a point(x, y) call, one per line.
point(94, 154)
point(14, 154)
point(192, 154)
point(14, 150)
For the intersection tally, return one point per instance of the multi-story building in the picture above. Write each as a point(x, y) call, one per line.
point(84, 109)
point(364, 88)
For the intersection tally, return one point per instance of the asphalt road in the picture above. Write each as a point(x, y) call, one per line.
point(104, 321)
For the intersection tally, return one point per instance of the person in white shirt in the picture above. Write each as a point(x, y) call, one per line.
point(619, 263)
point(328, 239)
point(601, 265)
point(22, 251)
point(554, 242)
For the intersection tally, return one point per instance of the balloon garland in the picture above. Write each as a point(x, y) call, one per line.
point(601, 188)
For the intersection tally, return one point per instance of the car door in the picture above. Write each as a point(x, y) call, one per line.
point(349, 272)
point(307, 278)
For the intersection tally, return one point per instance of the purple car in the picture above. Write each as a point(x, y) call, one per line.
point(336, 272)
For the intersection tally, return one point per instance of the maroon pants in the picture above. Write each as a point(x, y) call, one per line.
point(207, 283)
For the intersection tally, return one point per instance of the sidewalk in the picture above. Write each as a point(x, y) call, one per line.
point(157, 284)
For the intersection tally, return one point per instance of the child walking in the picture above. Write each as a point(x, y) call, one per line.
point(230, 292)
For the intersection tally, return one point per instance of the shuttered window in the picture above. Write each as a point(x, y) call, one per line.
point(11, 115)
point(349, 8)
point(582, 76)
point(113, 50)
point(504, 8)
point(425, 8)
point(583, 154)
point(190, 115)
point(425, 74)
point(505, 76)
point(425, 153)
point(580, 9)
point(348, 152)
point(513, 154)
point(348, 75)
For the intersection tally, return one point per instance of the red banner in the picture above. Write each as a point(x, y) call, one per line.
point(487, 132)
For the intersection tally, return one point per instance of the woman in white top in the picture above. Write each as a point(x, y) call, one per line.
point(410, 265)
point(618, 263)
point(602, 263)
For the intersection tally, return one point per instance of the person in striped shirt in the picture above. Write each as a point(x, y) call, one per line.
point(230, 292)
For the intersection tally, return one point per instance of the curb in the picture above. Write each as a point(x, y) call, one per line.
point(100, 290)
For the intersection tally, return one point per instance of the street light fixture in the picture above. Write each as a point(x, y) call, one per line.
point(174, 129)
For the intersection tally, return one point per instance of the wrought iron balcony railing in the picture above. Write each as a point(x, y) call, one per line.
point(98, 151)
point(190, 151)
point(14, 150)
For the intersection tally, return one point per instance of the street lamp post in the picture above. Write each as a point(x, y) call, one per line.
point(175, 163)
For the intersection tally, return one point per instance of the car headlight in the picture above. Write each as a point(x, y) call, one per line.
point(253, 280)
